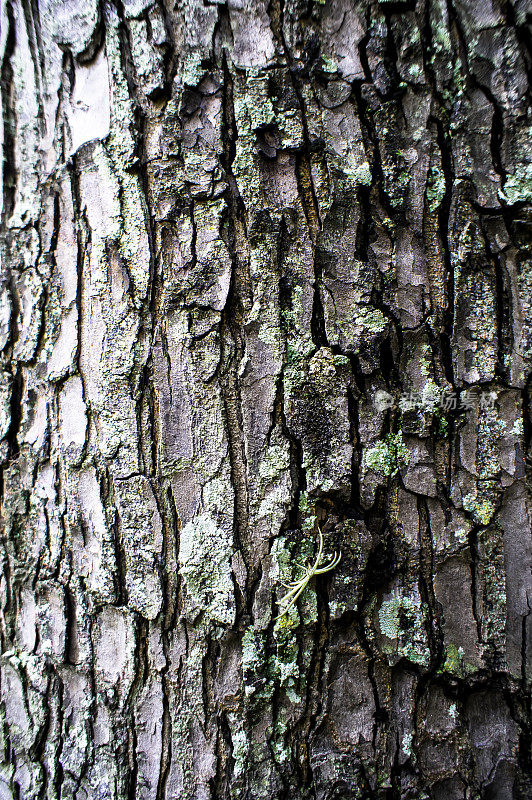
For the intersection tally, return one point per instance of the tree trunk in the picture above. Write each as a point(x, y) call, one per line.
point(264, 275)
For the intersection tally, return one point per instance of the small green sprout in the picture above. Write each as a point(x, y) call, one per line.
point(296, 587)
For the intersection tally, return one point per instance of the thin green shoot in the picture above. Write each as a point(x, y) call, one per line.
point(296, 587)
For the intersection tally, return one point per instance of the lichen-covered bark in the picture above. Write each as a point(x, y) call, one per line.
point(229, 230)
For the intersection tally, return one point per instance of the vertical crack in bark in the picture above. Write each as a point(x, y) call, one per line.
point(139, 679)
point(473, 566)
point(444, 212)
point(119, 576)
point(232, 333)
point(314, 694)
point(236, 446)
point(221, 784)
point(427, 573)
point(505, 342)
point(9, 115)
point(305, 182)
point(17, 388)
point(31, 18)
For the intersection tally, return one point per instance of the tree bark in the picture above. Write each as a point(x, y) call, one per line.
point(265, 273)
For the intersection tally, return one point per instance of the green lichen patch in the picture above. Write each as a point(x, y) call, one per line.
point(252, 661)
point(402, 624)
point(322, 370)
point(518, 187)
point(389, 618)
point(388, 455)
point(328, 64)
point(307, 512)
point(275, 461)
point(455, 664)
point(371, 320)
point(482, 509)
point(435, 191)
point(454, 660)
point(356, 331)
point(363, 174)
point(406, 743)
point(205, 557)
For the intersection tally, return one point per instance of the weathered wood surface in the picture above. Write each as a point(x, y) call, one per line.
point(226, 227)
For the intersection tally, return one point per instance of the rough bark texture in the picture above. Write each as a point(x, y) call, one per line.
point(226, 227)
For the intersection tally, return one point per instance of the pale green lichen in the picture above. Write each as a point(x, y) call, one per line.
point(328, 64)
point(275, 461)
point(322, 370)
point(491, 429)
point(389, 618)
point(406, 743)
point(481, 509)
point(240, 744)
point(365, 322)
point(362, 174)
point(425, 360)
point(205, 557)
point(251, 115)
point(380, 459)
point(341, 361)
point(455, 90)
point(288, 665)
point(455, 663)
point(307, 513)
point(518, 187)
point(431, 394)
point(288, 560)
point(5, 402)
point(402, 621)
point(388, 455)
point(517, 428)
point(251, 659)
point(441, 39)
point(442, 425)
point(435, 191)
point(299, 344)
point(460, 535)
point(454, 657)
point(371, 320)
point(286, 668)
